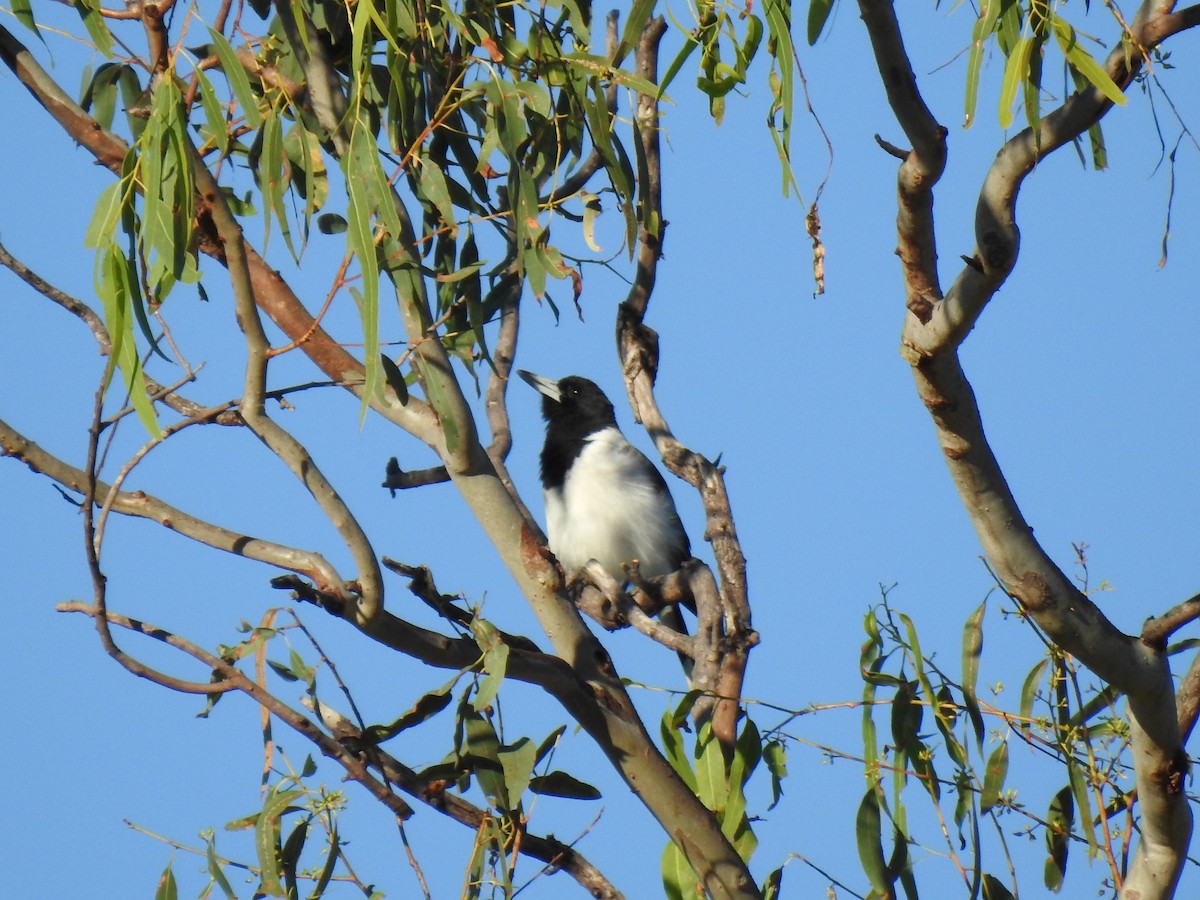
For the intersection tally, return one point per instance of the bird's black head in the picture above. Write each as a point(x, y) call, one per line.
point(573, 408)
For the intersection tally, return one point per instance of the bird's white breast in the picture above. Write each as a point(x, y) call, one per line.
point(608, 510)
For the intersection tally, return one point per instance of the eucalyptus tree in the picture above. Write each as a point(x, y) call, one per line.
point(465, 151)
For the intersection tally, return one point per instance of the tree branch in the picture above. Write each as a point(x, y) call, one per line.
point(234, 679)
point(141, 505)
point(369, 599)
point(95, 324)
point(637, 347)
point(554, 853)
point(933, 329)
point(271, 292)
point(922, 166)
point(1158, 630)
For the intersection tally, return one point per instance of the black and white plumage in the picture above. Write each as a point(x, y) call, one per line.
point(604, 499)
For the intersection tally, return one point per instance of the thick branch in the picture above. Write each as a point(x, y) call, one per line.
point(921, 167)
point(932, 332)
point(996, 233)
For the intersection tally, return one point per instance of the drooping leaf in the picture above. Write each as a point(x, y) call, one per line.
point(24, 14)
point(239, 81)
point(93, 21)
point(215, 873)
point(673, 749)
point(289, 858)
point(679, 879)
point(972, 650)
point(1082, 61)
point(166, 888)
point(985, 25)
point(993, 778)
point(994, 889)
point(495, 662)
point(267, 839)
point(868, 826)
point(1059, 821)
point(214, 112)
point(1016, 70)
point(818, 15)
point(481, 748)
point(560, 784)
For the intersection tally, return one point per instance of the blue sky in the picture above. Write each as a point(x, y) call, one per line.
point(1084, 364)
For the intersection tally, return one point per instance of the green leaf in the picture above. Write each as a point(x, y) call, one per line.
point(289, 858)
point(639, 14)
point(103, 225)
point(985, 25)
point(711, 784)
point(517, 761)
point(483, 753)
point(993, 778)
point(360, 241)
point(868, 833)
point(1016, 69)
point(214, 113)
point(1095, 134)
point(689, 46)
point(775, 756)
point(674, 751)
point(550, 742)
point(1082, 61)
point(560, 784)
point(972, 650)
point(239, 82)
point(166, 888)
point(1059, 821)
point(331, 858)
point(773, 885)
point(266, 839)
point(782, 81)
point(433, 188)
point(919, 662)
point(270, 175)
point(495, 662)
point(116, 291)
point(97, 29)
point(24, 14)
point(994, 889)
point(679, 880)
point(1029, 689)
point(215, 874)
point(818, 15)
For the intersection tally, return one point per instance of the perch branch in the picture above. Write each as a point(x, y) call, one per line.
point(637, 346)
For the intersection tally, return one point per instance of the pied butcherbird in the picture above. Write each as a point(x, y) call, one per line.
point(604, 499)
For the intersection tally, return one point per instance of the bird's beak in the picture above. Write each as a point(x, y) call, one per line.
point(543, 386)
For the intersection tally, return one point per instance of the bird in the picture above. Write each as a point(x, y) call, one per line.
point(604, 499)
